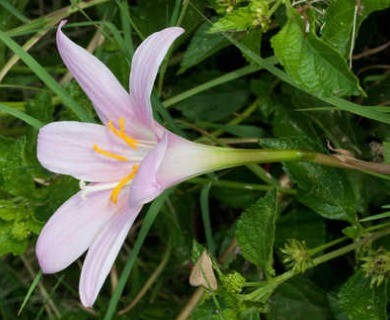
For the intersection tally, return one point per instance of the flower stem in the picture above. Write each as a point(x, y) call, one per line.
point(235, 157)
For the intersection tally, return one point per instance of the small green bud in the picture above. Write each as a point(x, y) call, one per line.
point(233, 282)
point(377, 266)
point(297, 256)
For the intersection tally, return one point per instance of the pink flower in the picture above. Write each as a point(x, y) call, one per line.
point(122, 164)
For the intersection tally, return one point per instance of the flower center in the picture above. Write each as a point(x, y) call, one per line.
point(132, 143)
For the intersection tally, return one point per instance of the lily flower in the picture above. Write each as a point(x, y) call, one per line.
point(123, 163)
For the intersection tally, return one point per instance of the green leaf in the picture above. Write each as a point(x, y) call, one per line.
point(313, 64)
point(342, 104)
point(339, 20)
point(360, 302)
point(302, 224)
point(217, 103)
point(17, 222)
point(16, 173)
point(45, 77)
point(30, 291)
point(21, 115)
point(299, 298)
point(202, 45)
point(8, 243)
point(238, 20)
point(255, 232)
point(327, 191)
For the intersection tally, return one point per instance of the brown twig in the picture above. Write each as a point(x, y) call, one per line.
point(371, 52)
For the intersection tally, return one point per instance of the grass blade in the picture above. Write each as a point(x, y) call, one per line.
point(46, 77)
point(30, 291)
point(151, 215)
point(22, 116)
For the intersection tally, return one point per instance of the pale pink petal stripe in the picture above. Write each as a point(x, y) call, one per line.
point(109, 98)
point(66, 147)
point(102, 254)
point(146, 186)
point(144, 67)
point(71, 230)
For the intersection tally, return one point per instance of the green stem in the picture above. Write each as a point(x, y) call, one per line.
point(204, 204)
point(340, 252)
point(266, 289)
point(240, 185)
point(216, 82)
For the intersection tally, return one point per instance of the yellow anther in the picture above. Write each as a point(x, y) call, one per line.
point(121, 133)
point(115, 193)
point(109, 154)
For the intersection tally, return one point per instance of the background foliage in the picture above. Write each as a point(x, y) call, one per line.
point(287, 241)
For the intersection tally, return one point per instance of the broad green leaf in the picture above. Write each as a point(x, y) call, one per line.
point(312, 63)
point(202, 45)
point(17, 222)
point(217, 103)
point(339, 103)
point(302, 224)
point(251, 40)
point(15, 171)
point(8, 243)
point(339, 20)
point(325, 190)
point(255, 232)
point(238, 20)
point(299, 298)
point(360, 302)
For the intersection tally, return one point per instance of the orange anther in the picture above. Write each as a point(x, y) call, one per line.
point(115, 193)
point(109, 154)
point(121, 133)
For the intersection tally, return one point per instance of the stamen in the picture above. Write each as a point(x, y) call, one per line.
point(115, 193)
point(131, 142)
point(109, 154)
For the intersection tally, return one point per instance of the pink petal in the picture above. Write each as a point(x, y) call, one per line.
point(71, 230)
point(146, 186)
point(144, 67)
point(102, 254)
point(109, 98)
point(67, 147)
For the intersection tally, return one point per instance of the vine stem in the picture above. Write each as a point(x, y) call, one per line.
point(275, 282)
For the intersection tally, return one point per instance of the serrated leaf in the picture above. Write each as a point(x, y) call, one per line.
point(360, 302)
point(8, 243)
point(312, 63)
point(238, 20)
point(299, 298)
point(40, 107)
point(327, 191)
point(339, 20)
point(16, 173)
point(255, 232)
point(202, 45)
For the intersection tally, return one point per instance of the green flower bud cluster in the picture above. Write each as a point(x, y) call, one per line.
point(297, 256)
point(260, 13)
point(377, 266)
point(233, 282)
